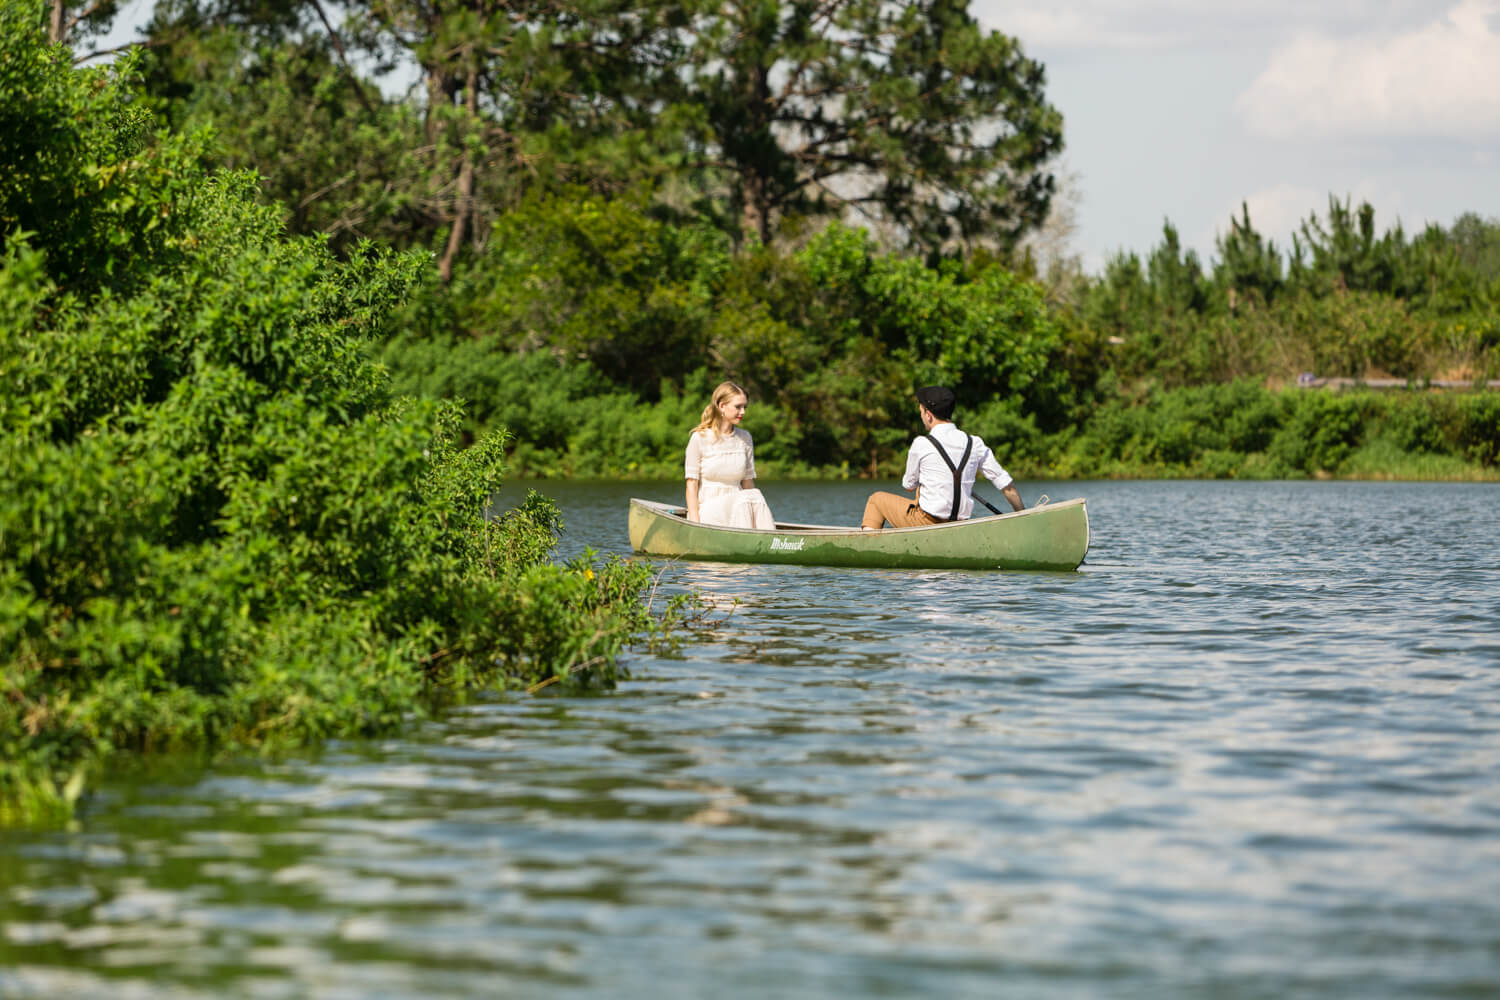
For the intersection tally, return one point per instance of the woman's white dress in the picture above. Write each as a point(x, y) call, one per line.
point(719, 463)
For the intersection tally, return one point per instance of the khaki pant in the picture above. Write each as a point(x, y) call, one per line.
point(901, 511)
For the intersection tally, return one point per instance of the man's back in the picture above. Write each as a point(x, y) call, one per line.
point(941, 467)
point(926, 471)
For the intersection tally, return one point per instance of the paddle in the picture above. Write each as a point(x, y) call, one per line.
point(992, 507)
point(1043, 499)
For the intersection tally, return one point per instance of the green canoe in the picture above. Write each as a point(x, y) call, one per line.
point(1049, 536)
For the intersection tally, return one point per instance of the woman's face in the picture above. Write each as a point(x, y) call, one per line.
point(732, 410)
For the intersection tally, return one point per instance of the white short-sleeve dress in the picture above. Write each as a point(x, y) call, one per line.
point(719, 463)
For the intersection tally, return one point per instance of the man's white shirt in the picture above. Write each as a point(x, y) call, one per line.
point(926, 468)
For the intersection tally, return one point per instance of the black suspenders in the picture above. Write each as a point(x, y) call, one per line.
point(955, 469)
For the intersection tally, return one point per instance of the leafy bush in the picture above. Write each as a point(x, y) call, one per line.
point(1321, 431)
point(219, 522)
point(1359, 333)
point(830, 341)
point(1177, 431)
point(1477, 428)
point(1243, 430)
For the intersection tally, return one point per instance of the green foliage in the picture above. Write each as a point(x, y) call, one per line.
point(334, 156)
point(83, 177)
point(600, 281)
point(564, 419)
point(219, 523)
point(1357, 333)
point(528, 98)
point(910, 111)
point(1350, 302)
point(839, 335)
point(1476, 428)
point(1476, 244)
point(598, 333)
point(1249, 266)
point(1243, 430)
point(581, 172)
point(1346, 253)
point(831, 340)
point(751, 116)
point(1321, 431)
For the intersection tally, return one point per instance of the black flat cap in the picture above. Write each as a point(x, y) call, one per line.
point(939, 399)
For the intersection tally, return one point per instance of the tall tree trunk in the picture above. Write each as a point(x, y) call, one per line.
point(757, 213)
point(756, 184)
point(463, 207)
point(439, 95)
point(58, 25)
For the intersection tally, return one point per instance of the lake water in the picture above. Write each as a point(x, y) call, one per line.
point(1250, 749)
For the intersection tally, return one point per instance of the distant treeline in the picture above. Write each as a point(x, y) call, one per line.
point(1344, 300)
point(594, 332)
point(622, 210)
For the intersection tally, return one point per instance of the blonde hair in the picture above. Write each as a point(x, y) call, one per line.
point(722, 394)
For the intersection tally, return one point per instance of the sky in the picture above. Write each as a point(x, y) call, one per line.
point(1183, 110)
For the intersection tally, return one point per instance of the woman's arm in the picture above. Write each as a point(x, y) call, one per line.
point(748, 483)
point(692, 469)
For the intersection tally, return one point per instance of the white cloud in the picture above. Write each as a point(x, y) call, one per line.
point(1075, 27)
point(1061, 25)
point(1439, 81)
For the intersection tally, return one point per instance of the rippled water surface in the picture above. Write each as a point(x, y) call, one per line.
point(1250, 749)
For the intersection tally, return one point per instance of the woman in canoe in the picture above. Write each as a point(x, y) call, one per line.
point(720, 466)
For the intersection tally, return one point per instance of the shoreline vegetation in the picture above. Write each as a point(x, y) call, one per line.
point(271, 338)
point(1240, 430)
point(220, 528)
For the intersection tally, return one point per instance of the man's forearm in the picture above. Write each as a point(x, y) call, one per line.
point(1014, 496)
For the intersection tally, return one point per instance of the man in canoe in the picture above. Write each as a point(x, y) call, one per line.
point(941, 467)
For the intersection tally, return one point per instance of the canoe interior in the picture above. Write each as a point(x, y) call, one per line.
point(781, 526)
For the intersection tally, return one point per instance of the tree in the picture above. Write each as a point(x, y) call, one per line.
point(1345, 253)
point(1477, 241)
point(1046, 252)
point(68, 22)
point(906, 112)
point(510, 97)
point(507, 82)
point(1176, 277)
point(1249, 264)
point(339, 159)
